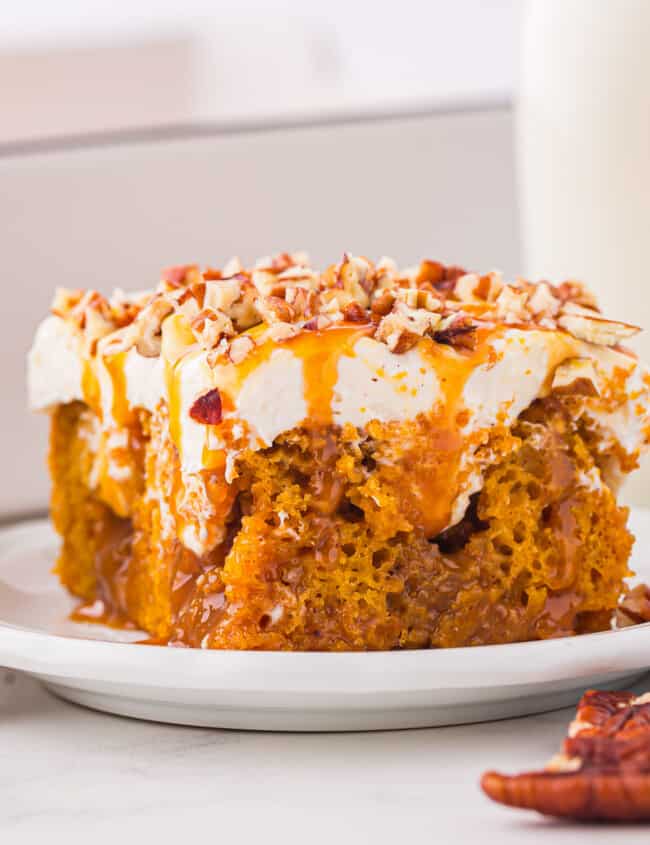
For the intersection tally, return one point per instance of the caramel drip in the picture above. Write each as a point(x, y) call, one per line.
point(320, 352)
point(114, 364)
point(434, 492)
point(99, 612)
point(178, 341)
point(90, 385)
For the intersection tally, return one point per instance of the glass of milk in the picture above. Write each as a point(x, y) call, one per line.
point(583, 146)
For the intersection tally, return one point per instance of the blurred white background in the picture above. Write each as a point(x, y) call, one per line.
point(76, 67)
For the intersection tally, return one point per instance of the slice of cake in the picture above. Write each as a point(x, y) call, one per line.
point(363, 458)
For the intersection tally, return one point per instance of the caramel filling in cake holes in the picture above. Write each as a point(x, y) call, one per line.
point(319, 543)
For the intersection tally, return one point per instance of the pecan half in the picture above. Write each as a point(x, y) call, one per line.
point(603, 772)
point(207, 408)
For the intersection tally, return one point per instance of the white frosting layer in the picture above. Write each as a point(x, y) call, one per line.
point(272, 398)
point(371, 383)
point(145, 380)
point(54, 365)
point(376, 384)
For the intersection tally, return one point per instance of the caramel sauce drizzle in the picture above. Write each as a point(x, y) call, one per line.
point(90, 387)
point(177, 343)
point(122, 413)
point(320, 353)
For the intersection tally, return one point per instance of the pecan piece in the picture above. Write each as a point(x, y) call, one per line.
point(354, 313)
point(383, 303)
point(179, 274)
point(576, 376)
point(461, 333)
point(317, 323)
point(240, 347)
point(431, 272)
point(274, 309)
point(585, 324)
point(603, 772)
point(207, 408)
point(634, 609)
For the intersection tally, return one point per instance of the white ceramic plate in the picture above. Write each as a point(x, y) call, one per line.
point(98, 667)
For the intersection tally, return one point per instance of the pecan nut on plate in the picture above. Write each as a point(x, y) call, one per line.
point(634, 607)
point(603, 772)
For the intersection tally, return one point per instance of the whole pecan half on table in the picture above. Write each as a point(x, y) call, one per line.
point(603, 772)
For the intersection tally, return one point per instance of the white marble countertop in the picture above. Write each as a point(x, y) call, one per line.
point(72, 775)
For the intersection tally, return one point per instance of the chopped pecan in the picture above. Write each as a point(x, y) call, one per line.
point(243, 312)
point(210, 326)
point(207, 408)
point(403, 327)
point(542, 301)
point(448, 281)
point(585, 324)
point(459, 332)
point(240, 347)
point(578, 293)
point(429, 271)
point(125, 308)
point(511, 305)
point(65, 299)
point(603, 772)
point(281, 331)
point(634, 608)
point(281, 262)
point(418, 298)
point(221, 295)
point(233, 267)
point(303, 301)
point(383, 303)
point(489, 286)
point(354, 313)
point(273, 309)
point(466, 287)
point(317, 323)
point(576, 376)
point(147, 328)
point(356, 277)
point(179, 274)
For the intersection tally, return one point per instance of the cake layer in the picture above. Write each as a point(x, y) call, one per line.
point(470, 354)
point(319, 544)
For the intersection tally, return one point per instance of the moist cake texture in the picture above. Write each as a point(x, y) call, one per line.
point(360, 458)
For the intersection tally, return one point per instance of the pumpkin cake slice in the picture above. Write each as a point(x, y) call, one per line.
point(360, 458)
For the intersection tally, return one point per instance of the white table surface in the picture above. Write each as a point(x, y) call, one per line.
point(72, 775)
